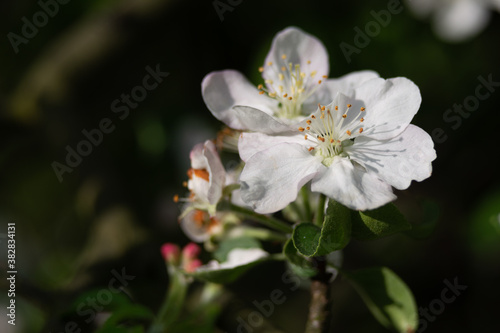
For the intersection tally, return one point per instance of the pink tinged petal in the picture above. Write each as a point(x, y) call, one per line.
point(252, 143)
point(352, 186)
point(390, 106)
point(216, 171)
point(272, 178)
point(344, 84)
point(259, 121)
point(299, 48)
point(198, 161)
point(224, 89)
point(399, 160)
point(461, 19)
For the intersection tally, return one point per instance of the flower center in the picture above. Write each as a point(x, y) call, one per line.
point(292, 87)
point(330, 130)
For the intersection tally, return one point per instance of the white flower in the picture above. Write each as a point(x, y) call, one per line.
point(352, 150)
point(456, 20)
point(235, 258)
point(206, 177)
point(295, 75)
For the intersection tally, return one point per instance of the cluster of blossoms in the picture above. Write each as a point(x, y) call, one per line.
point(349, 139)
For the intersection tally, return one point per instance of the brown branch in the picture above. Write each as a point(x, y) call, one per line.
point(317, 321)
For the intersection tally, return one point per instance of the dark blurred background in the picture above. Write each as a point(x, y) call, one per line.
point(114, 209)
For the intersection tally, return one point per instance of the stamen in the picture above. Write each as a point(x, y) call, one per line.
point(260, 86)
point(308, 62)
point(301, 129)
point(261, 69)
point(348, 132)
point(311, 148)
point(361, 130)
point(362, 109)
point(270, 63)
point(344, 116)
point(176, 198)
point(283, 56)
point(349, 105)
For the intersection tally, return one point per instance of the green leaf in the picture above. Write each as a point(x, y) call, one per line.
point(335, 234)
point(298, 264)
point(232, 243)
point(378, 223)
point(389, 299)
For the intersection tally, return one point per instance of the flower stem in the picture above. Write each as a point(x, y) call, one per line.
point(173, 302)
point(307, 206)
point(317, 320)
point(268, 221)
point(320, 211)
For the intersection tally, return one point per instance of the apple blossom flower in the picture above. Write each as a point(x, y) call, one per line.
point(189, 261)
point(352, 150)
point(207, 180)
point(456, 20)
point(295, 80)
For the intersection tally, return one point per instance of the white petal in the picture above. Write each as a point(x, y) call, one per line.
point(352, 186)
point(236, 257)
point(216, 171)
point(460, 19)
point(390, 106)
point(198, 161)
point(195, 230)
point(259, 121)
point(399, 160)
point(251, 143)
point(344, 84)
point(271, 178)
point(299, 48)
point(225, 89)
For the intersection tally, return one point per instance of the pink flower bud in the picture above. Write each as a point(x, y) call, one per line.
point(170, 253)
point(192, 265)
point(190, 251)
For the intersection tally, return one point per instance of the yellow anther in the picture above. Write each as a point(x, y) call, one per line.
point(362, 109)
point(305, 137)
point(308, 128)
point(323, 108)
point(336, 108)
point(313, 116)
point(319, 82)
point(301, 129)
point(325, 76)
point(285, 95)
point(308, 121)
point(310, 148)
point(268, 81)
point(349, 105)
point(283, 68)
point(280, 88)
point(270, 63)
point(261, 92)
point(348, 132)
point(272, 95)
point(261, 69)
point(313, 73)
point(290, 98)
point(361, 130)
point(344, 116)
point(260, 86)
point(281, 77)
point(176, 198)
point(321, 139)
point(308, 62)
point(332, 141)
point(362, 119)
point(283, 56)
